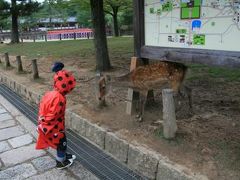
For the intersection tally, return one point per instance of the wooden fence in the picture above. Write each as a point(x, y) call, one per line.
point(50, 35)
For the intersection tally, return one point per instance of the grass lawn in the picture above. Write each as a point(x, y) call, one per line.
point(71, 48)
point(202, 71)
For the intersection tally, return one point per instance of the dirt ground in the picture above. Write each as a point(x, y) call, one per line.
point(208, 139)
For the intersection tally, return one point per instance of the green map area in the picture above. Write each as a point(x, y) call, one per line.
point(191, 9)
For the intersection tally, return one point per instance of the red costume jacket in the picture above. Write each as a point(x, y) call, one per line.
point(51, 122)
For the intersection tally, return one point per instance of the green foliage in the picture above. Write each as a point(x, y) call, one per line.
point(111, 5)
point(63, 9)
point(27, 7)
point(84, 19)
point(81, 9)
point(126, 17)
point(121, 12)
point(31, 11)
point(4, 13)
point(5, 24)
point(52, 9)
point(22, 8)
point(4, 9)
point(27, 23)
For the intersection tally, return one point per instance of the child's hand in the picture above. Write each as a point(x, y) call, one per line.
point(40, 118)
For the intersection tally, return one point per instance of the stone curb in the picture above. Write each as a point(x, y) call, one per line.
point(146, 162)
point(117, 147)
point(143, 161)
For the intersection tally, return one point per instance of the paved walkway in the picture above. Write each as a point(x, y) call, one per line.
point(18, 157)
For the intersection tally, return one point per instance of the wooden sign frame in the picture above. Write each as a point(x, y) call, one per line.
point(185, 55)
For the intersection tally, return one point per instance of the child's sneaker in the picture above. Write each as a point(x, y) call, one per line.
point(70, 156)
point(64, 164)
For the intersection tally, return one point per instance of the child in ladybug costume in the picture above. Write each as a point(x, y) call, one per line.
point(51, 123)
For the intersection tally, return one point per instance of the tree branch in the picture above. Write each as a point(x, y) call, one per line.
point(108, 12)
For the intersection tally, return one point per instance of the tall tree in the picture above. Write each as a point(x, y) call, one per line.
point(4, 12)
point(20, 8)
point(14, 12)
point(113, 7)
point(102, 57)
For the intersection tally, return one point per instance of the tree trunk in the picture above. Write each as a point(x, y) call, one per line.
point(115, 22)
point(15, 33)
point(102, 58)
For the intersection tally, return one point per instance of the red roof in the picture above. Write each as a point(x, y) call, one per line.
point(68, 31)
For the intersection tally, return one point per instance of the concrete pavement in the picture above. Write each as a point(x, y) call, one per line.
point(18, 157)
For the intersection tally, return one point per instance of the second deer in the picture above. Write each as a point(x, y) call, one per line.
point(154, 76)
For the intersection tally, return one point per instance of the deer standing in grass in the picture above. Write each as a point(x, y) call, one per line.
point(154, 76)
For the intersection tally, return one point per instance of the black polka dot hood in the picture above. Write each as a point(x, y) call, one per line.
point(64, 82)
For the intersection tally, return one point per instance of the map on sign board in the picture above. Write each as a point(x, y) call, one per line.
point(199, 24)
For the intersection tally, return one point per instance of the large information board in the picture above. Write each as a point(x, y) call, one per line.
point(197, 24)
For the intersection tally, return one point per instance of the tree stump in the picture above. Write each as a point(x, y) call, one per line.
point(169, 117)
point(7, 62)
point(19, 64)
point(35, 69)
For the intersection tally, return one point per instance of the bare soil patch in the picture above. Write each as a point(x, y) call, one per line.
point(208, 140)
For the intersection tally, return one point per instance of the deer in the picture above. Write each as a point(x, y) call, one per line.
point(164, 74)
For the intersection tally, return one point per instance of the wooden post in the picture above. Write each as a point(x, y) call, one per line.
point(34, 38)
point(133, 96)
point(45, 38)
point(60, 37)
point(169, 117)
point(19, 64)
point(7, 65)
point(74, 36)
point(100, 88)
point(35, 69)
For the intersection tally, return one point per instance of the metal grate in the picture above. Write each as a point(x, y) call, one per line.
point(90, 156)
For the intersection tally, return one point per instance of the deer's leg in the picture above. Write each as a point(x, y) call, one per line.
point(188, 90)
point(143, 98)
point(175, 85)
point(138, 107)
